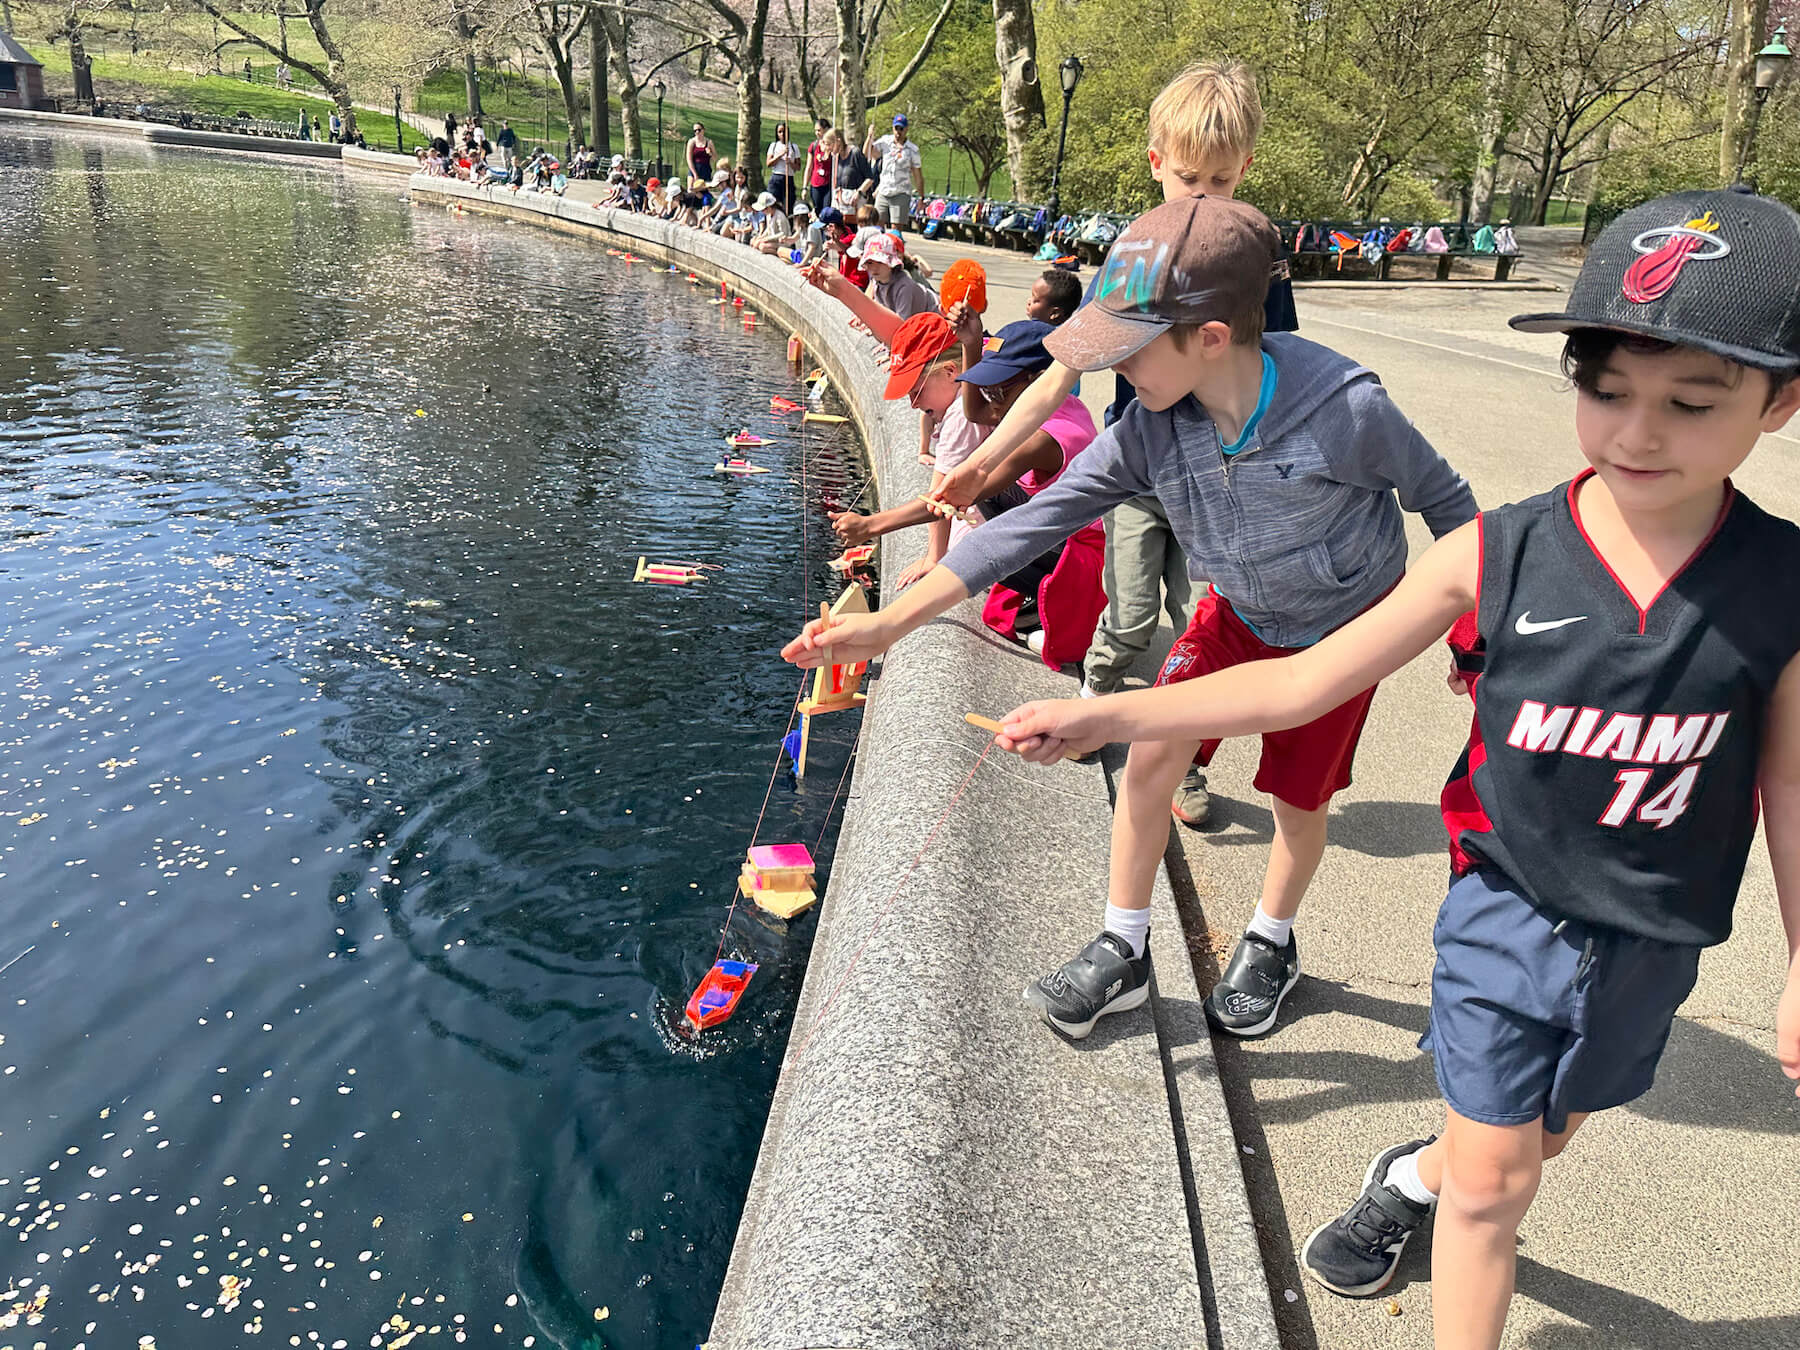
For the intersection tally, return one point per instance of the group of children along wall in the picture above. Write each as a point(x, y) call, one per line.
point(1625, 726)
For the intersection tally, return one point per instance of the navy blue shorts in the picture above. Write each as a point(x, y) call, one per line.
point(1529, 1021)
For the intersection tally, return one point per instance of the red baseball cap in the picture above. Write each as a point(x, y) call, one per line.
point(917, 343)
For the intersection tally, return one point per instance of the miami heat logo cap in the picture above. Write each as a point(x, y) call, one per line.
point(1716, 270)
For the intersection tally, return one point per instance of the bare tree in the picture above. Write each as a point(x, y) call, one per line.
point(333, 77)
point(1585, 62)
point(558, 28)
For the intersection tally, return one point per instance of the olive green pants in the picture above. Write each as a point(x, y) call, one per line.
point(1146, 574)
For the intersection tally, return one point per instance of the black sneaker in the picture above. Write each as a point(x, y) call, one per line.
point(1357, 1253)
point(1105, 978)
point(1248, 995)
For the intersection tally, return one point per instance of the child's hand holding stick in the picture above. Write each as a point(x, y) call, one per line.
point(1044, 732)
point(842, 640)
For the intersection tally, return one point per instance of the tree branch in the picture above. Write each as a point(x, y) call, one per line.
point(912, 66)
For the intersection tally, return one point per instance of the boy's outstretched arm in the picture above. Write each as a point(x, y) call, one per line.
point(862, 637)
point(1778, 780)
point(1268, 695)
point(962, 485)
point(881, 321)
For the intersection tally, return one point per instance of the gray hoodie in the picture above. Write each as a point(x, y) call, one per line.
point(1300, 530)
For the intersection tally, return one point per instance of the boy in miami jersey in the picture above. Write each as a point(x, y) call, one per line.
point(1630, 640)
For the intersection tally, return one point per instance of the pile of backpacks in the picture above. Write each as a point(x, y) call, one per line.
point(1386, 238)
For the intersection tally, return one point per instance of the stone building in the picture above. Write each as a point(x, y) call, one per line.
point(21, 77)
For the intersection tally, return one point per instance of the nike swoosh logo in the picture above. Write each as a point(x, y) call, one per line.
point(1525, 627)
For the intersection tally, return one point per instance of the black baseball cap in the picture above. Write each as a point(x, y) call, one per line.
point(1188, 261)
point(1014, 350)
point(1713, 269)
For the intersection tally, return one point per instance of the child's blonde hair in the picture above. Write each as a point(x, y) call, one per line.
point(1208, 110)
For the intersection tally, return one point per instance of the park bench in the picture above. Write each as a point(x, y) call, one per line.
point(1317, 260)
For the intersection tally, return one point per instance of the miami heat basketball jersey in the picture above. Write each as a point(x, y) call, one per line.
point(1611, 769)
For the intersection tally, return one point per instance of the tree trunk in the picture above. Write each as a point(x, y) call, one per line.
point(79, 64)
point(337, 82)
point(1498, 65)
point(471, 79)
point(853, 98)
point(1021, 93)
point(1548, 172)
point(749, 99)
point(598, 113)
point(618, 41)
point(556, 46)
point(1749, 21)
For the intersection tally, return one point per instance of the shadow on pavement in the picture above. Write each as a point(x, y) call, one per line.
point(1293, 1319)
point(1709, 1078)
point(1613, 1318)
point(1373, 829)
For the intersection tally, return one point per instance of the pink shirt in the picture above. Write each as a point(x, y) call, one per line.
point(1071, 426)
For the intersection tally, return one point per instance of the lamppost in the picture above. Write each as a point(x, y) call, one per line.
point(399, 142)
point(661, 89)
point(1771, 63)
point(1070, 70)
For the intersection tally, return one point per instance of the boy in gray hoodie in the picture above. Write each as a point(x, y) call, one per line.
point(1283, 468)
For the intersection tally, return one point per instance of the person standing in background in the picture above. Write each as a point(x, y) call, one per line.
point(821, 168)
point(902, 175)
point(784, 164)
point(699, 158)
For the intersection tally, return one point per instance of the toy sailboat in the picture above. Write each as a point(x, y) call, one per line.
point(852, 558)
point(741, 467)
point(743, 440)
point(671, 573)
point(830, 419)
point(786, 405)
point(779, 878)
point(717, 997)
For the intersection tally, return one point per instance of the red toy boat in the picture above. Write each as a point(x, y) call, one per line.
point(717, 997)
point(784, 405)
point(743, 440)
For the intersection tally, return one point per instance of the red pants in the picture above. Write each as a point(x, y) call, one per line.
point(1303, 765)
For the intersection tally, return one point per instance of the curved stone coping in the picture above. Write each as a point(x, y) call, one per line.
point(385, 160)
point(938, 1168)
point(159, 133)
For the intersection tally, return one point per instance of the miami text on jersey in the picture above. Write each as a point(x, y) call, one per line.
point(1631, 738)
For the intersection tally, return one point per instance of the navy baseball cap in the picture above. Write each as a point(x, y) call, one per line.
point(899, 119)
point(1015, 350)
point(1699, 269)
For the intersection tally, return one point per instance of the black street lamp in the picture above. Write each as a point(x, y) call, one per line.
point(399, 141)
point(1771, 64)
point(1070, 70)
point(661, 89)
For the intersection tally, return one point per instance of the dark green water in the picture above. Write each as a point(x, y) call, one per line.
point(363, 821)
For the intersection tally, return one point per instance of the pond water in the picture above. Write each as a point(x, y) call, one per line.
point(363, 826)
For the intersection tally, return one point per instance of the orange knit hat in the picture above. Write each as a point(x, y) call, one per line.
point(964, 279)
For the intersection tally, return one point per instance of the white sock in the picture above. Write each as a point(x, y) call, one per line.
point(1403, 1176)
point(1133, 925)
point(1275, 930)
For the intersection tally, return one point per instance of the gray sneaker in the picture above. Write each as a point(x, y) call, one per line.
point(1192, 804)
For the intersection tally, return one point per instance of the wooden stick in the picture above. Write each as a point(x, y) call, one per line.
point(989, 724)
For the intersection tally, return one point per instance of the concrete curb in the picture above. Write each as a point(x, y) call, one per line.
point(938, 1169)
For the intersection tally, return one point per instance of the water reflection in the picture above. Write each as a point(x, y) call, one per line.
point(364, 817)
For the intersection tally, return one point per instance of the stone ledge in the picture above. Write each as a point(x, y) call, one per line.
point(938, 1169)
